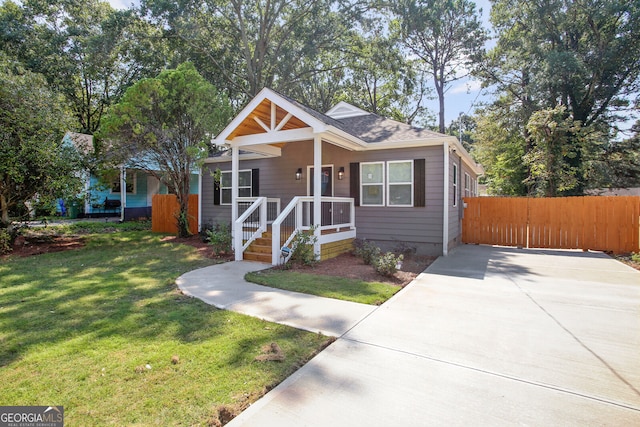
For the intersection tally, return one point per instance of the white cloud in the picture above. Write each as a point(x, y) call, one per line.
point(466, 87)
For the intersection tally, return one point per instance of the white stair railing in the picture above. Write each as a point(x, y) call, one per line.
point(249, 226)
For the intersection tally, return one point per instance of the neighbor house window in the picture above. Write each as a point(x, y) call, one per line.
point(372, 184)
point(130, 183)
point(455, 185)
point(244, 185)
point(400, 183)
point(467, 185)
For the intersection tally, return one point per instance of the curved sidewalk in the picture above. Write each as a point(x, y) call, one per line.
point(223, 286)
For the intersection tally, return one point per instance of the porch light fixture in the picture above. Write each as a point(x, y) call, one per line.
point(341, 172)
point(298, 174)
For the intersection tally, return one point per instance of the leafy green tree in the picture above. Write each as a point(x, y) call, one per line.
point(379, 79)
point(35, 166)
point(618, 166)
point(87, 51)
point(164, 125)
point(552, 132)
point(446, 36)
point(583, 55)
point(244, 46)
point(499, 147)
point(463, 128)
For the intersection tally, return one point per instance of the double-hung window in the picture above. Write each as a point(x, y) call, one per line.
point(372, 184)
point(400, 183)
point(244, 185)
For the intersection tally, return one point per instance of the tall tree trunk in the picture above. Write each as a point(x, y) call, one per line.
point(4, 210)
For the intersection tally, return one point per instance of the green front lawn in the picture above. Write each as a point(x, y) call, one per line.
point(95, 330)
point(355, 290)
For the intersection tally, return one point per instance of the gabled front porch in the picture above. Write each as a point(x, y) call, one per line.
point(264, 129)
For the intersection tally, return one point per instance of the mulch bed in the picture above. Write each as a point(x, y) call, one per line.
point(350, 266)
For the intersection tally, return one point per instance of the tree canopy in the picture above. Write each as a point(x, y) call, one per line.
point(164, 125)
point(577, 58)
point(35, 166)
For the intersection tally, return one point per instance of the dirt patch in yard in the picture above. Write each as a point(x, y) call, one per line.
point(25, 246)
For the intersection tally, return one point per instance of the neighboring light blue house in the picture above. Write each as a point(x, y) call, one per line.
point(107, 198)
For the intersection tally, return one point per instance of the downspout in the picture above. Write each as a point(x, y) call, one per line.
point(317, 191)
point(445, 202)
point(123, 191)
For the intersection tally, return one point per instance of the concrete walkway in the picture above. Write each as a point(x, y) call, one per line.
point(486, 336)
point(223, 286)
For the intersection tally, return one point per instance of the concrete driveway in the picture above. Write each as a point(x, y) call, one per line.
point(486, 336)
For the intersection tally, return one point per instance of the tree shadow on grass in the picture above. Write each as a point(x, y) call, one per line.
point(121, 285)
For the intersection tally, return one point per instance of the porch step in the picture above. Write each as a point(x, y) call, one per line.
point(260, 249)
point(255, 256)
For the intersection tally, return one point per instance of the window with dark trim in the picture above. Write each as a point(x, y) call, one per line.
point(372, 184)
point(395, 183)
point(245, 182)
point(400, 183)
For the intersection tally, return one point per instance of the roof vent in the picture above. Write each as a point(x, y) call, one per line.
point(343, 110)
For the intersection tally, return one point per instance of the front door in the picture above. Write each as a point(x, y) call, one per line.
point(327, 181)
point(326, 191)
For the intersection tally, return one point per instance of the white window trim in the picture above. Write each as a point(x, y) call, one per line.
point(239, 187)
point(467, 185)
point(380, 184)
point(455, 185)
point(131, 176)
point(389, 184)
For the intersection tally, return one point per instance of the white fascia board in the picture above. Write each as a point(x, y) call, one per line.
point(343, 139)
point(466, 157)
point(317, 125)
point(243, 156)
point(273, 137)
point(264, 149)
point(237, 120)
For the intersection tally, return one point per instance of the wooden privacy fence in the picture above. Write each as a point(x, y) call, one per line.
point(610, 223)
point(164, 208)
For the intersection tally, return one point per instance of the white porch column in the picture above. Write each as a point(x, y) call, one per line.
point(317, 190)
point(445, 202)
point(235, 165)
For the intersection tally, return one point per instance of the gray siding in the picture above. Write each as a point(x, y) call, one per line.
point(456, 213)
point(420, 227)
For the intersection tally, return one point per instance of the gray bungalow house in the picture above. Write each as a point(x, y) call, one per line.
point(345, 174)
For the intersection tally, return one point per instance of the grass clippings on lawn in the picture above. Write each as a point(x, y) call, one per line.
point(104, 332)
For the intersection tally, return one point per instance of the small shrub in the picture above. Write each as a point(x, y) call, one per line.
point(302, 247)
point(387, 264)
point(219, 238)
point(366, 250)
point(5, 241)
point(635, 257)
point(405, 249)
